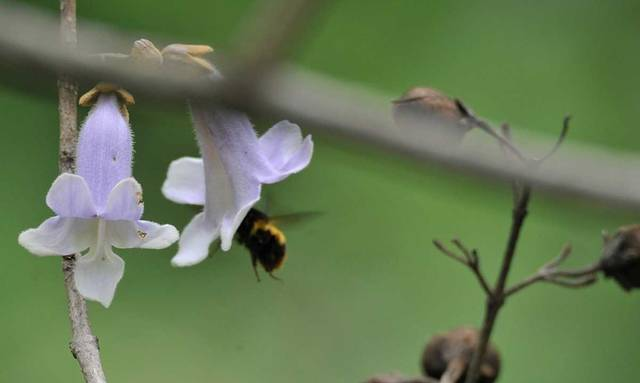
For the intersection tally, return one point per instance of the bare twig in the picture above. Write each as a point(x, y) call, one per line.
point(505, 129)
point(550, 273)
point(469, 259)
point(496, 299)
point(83, 345)
point(504, 142)
point(563, 135)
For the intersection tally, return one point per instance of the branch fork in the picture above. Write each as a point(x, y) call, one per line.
point(550, 272)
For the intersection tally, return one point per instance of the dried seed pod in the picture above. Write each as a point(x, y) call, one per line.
point(144, 52)
point(190, 56)
point(621, 257)
point(447, 357)
point(427, 108)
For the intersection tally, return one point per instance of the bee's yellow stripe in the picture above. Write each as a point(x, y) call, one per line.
point(271, 228)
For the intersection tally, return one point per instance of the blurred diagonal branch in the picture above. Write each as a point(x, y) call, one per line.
point(272, 30)
point(324, 104)
point(83, 345)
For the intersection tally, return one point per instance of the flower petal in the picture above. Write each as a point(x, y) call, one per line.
point(231, 158)
point(59, 236)
point(280, 142)
point(125, 201)
point(143, 234)
point(286, 151)
point(236, 163)
point(69, 196)
point(105, 148)
point(185, 181)
point(195, 240)
point(97, 274)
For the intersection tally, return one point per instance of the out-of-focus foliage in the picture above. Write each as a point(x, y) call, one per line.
point(363, 288)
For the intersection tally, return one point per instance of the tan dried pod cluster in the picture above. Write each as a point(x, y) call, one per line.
point(621, 257)
point(447, 357)
point(428, 108)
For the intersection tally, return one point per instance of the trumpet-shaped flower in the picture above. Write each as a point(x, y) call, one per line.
point(99, 207)
point(228, 178)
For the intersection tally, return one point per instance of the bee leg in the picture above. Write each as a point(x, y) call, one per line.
point(274, 277)
point(254, 263)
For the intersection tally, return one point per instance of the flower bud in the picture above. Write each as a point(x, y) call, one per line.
point(427, 108)
point(451, 353)
point(621, 257)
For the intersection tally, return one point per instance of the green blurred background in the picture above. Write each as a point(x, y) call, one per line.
point(363, 287)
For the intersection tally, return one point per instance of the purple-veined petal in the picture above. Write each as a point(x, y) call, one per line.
point(124, 202)
point(185, 181)
point(236, 163)
point(59, 236)
point(231, 156)
point(104, 148)
point(69, 196)
point(285, 150)
point(194, 242)
point(97, 274)
point(143, 234)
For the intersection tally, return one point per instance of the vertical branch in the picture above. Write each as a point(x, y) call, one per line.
point(68, 93)
point(496, 299)
point(83, 345)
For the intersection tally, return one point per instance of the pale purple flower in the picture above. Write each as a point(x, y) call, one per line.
point(99, 207)
point(228, 178)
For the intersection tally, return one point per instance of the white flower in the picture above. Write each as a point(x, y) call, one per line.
point(99, 208)
point(228, 178)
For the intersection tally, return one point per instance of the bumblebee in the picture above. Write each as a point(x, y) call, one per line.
point(266, 243)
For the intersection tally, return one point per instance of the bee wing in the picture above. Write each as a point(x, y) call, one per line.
point(295, 218)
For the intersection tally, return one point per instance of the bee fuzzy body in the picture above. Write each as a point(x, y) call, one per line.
point(266, 242)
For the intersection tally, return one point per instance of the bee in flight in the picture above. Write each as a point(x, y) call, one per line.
point(266, 243)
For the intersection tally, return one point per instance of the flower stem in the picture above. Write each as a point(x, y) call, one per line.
point(83, 345)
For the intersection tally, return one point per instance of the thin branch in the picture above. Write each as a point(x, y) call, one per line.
point(550, 273)
point(557, 261)
point(83, 345)
point(487, 128)
point(516, 186)
point(561, 138)
point(496, 300)
point(469, 259)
